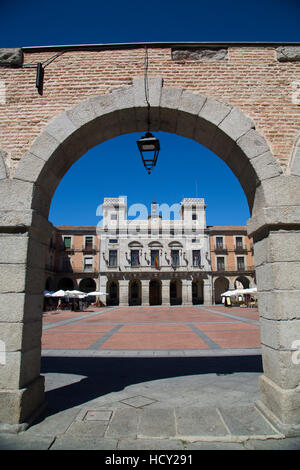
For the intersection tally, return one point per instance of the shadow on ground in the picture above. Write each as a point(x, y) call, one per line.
point(106, 375)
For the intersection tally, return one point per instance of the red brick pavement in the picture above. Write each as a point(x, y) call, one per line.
point(146, 328)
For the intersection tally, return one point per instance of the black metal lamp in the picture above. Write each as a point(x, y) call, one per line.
point(149, 147)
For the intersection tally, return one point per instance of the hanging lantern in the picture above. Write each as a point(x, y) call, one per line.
point(149, 148)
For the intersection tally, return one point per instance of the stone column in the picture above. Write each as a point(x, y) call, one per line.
point(276, 236)
point(145, 292)
point(165, 292)
point(187, 298)
point(123, 293)
point(207, 291)
point(102, 288)
point(23, 240)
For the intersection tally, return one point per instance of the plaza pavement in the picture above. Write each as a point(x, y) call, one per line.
point(151, 378)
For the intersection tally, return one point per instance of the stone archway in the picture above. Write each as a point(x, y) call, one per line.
point(241, 281)
point(66, 283)
point(273, 200)
point(175, 292)
point(221, 285)
point(112, 288)
point(135, 292)
point(155, 292)
point(87, 285)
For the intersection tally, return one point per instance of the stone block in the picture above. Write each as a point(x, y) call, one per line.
point(280, 367)
point(281, 275)
point(20, 278)
point(127, 119)
point(222, 145)
point(191, 103)
point(154, 87)
point(20, 369)
point(21, 336)
point(186, 124)
point(281, 216)
point(61, 127)
point(288, 53)
point(15, 195)
point(29, 168)
point(266, 166)
point(44, 146)
point(103, 104)
point(214, 111)
point(279, 334)
point(82, 113)
point(236, 124)
point(279, 305)
point(170, 98)
point(253, 144)
point(3, 172)
point(199, 53)
point(284, 404)
point(11, 57)
point(295, 165)
point(18, 307)
point(204, 132)
point(281, 191)
point(237, 161)
point(17, 406)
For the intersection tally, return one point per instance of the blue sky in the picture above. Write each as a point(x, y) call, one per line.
point(114, 168)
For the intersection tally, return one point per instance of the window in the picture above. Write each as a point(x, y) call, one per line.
point(134, 257)
point(113, 240)
point(67, 243)
point(88, 264)
point(194, 216)
point(240, 263)
point(239, 242)
point(113, 217)
point(112, 257)
point(154, 258)
point(88, 242)
point(219, 242)
point(175, 257)
point(196, 258)
point(220, 263)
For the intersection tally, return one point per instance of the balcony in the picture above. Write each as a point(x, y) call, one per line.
point(234, 268)
point(240, 249)
point(89, 249)
point(220, 249)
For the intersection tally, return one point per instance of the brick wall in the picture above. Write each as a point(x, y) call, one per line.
point(249, 77)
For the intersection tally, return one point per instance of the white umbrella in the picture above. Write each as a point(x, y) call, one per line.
point(59, 293)
point(48, 293)
point(239, 292)
point(96, 293)
point(74, 293)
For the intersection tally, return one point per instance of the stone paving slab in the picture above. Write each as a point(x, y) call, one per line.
point(24, 442)
point(247, 421)
point(195, 421)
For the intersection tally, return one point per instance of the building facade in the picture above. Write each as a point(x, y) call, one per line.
point(154, 259)
point(72, 260)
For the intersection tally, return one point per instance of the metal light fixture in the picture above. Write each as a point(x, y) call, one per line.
point(148, 145)
point(149, 148)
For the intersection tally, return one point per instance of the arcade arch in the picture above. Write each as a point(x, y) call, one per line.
point(273, 200)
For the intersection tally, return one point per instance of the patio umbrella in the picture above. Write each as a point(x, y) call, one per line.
point(96, 293)
point(48, 293)
point(59, 293)
point(75, 293)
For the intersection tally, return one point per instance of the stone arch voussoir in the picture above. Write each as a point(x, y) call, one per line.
point(222, 128)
